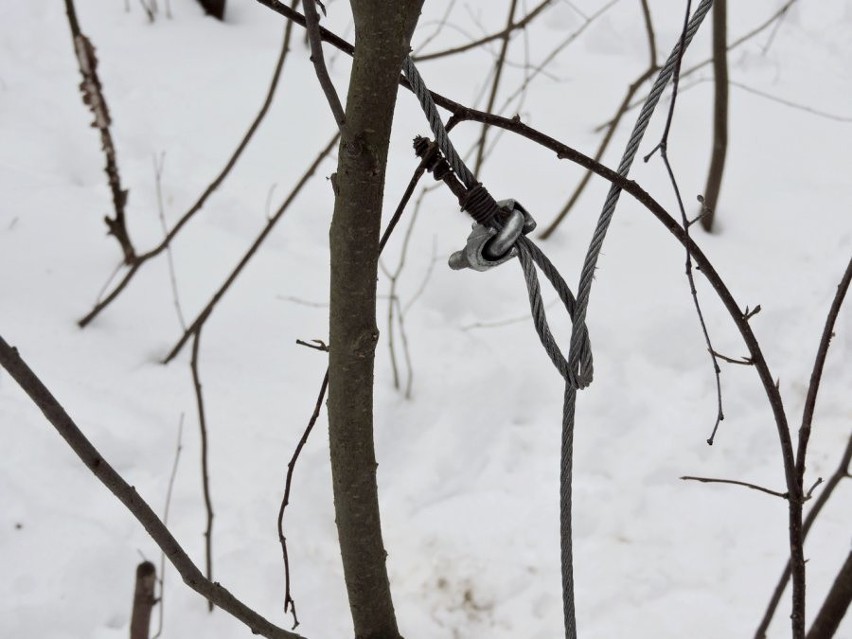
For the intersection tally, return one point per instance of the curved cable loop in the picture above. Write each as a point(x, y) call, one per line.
point(530, 256)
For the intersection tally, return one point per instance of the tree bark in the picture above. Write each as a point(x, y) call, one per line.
point(720, 113)
point(382, 34)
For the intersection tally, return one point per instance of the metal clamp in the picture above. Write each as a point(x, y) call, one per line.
point(488, 247)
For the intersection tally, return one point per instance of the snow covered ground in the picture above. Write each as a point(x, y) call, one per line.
point(469, 464)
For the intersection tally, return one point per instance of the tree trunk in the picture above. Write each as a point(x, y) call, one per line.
point(720, 113)
point(382, 35)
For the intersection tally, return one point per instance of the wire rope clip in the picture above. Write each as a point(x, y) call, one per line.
point(489, 247)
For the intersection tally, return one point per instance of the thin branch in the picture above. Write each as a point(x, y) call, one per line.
point(816, 373)
point(733, 45)
point(196, 325)
point(93, 97)
point(604, 145)
point(505, 33)
point(139, 260)
point(166, 509)
point(741, 361)
point(289, 603)
point(539, 69)
point(835, 605)
point(810, 492)
point(791, 104)
point(495, 84)
point(775, 17)
point(710, 480)
point(312, 26)
point(649, 31)
point(316, 344)
point(843, 471)
point(205, 475)
point(439, 25)
point(158, 175)
point(127, 495)
point(663, 148)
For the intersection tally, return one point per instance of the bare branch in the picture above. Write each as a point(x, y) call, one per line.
point(208, 309)
point(816, 373)
point(166, 508)
point(289, 603)
point(205, 475)
point(93, 97)
point(842, 472)
point(312, 26)
point(710, 480)
point(127, 495)
point(505, 33)
point(158, 180)
point(217, 181)
point(495, 84)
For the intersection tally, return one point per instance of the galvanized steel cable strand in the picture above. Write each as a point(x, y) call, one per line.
point(577, 370)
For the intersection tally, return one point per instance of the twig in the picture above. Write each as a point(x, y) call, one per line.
point(791, 104)
point(774, 18)
point(844, 470)
point(505, 33)
point(439, 25)
point(158, 174)
point(810, 492)
point(301, 302)
point(196, 325)
point(816, 373)
point(166, 509)
point(217, 181)
point(93, 97)
point(505, 322)
point(612, 125)
point(409, 369)
point(312, 26)
point(127, 495)
point(733, 45)
point(289, 603)
point(663, 148)
point(539, 69)
point(495, 84)
point(316, 344)
point(395, 309)
point(709, 480)
point(205, 476)
point(742, 361)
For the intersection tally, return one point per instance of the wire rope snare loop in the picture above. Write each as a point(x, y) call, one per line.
point(490, 246)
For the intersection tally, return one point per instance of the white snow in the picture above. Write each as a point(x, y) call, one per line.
point(469, 465)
